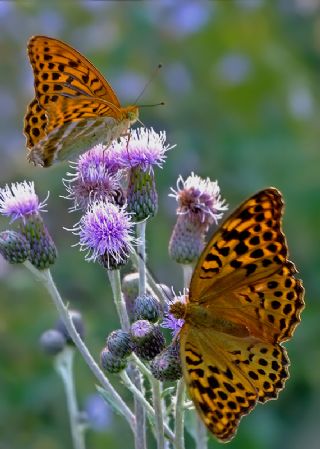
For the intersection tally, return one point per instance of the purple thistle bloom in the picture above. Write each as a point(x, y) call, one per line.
point(97, 176)
point(99, 413)
point(170, 321)
point(20, 201)
point(143, 149)
point(200, 199)
point(105, 231)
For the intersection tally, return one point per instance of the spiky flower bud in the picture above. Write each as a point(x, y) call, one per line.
point(77, 320)
point(119, 343)
point(146, 307)
point(20, 202)
point(43, 252)
point(52, 342)
point(187, 240)
point(167, 364)
point(142, 197)
point(148, 339)
point(111, 363)
point(14, 247)
point(199, 206)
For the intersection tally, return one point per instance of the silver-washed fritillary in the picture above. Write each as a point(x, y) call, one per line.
point(244, 301)
point(74, 106)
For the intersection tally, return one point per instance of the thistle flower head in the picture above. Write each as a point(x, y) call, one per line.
point(105, 231)
point(147, 338)
point(52, 341)
point(172, 322)
point(20, 201)
point(143, 149)
point(199, 198)
point(97, 176)
point(167, 364)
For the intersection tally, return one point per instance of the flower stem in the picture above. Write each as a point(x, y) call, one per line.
point(45, 277)
point(147, 406)
point(115, 281)
point(141, 234)
point(64, 367)
point(157, 405)
point(140, 433)
point(179, 415)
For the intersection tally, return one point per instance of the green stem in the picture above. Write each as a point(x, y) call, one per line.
point(45, 277)
point(115, 281)
point(64, 367)
point(152, 285)
point(148, 407)
point(141, 234)
point(179, 415)
point(157, 405)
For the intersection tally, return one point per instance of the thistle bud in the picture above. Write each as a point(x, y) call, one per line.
point(167, 364)
point(52, 342)
point(148, 339)
point(142, 197)
point(14, 247)
point(119, 343)
point(111, 363)
point(147, 307)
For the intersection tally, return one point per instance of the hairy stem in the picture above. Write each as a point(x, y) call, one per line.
point(46, 279)
point(179, 415)
point(157, 405)
point(64, 367)
point(115, 281)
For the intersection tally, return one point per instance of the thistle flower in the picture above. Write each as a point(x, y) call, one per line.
point(119, 343)
point(170, 321)
point(52, 342)
point(146, 307)
point(106, 234)
point(20, 202)
point(167, 364)
point(199, 206)
point(97, 176)
point(139, 153)
point(111, 363)
point(148, 339)
point(14, 247)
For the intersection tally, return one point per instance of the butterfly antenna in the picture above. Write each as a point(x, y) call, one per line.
point(152, 77)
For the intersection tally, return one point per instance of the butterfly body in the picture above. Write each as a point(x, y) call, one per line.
point(74, 106)
point(244, 301)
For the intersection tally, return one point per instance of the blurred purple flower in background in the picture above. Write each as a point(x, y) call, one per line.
point(99, 413)
point(178, 78)
point(188, 17)
point(234, 68)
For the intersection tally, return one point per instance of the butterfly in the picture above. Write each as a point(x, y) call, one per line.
point(243, 302)
point(74, 106)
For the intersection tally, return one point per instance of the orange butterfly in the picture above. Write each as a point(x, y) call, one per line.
point(244, 301)
point(74, 106)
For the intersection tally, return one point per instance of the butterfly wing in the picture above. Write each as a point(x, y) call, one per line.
point(243, 274)
point(226, 375)
point(61, 70)
point(243, 301)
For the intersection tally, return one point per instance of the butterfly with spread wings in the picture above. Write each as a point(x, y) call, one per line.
point(74, 106)
point(244, 301)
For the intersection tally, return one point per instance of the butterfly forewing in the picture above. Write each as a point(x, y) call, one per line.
point(61, 70)
point(244, 300)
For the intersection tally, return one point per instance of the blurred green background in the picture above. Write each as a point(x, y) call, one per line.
point(240, 84)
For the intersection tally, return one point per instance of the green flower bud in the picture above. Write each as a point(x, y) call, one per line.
point(142, 197)
point(111, 363)
point(119, 343)
point(52, 342)
point(14, 247)
point(167, 364)
point(148, 339)
point(147, 307)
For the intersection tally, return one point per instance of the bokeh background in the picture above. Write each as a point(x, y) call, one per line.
point(240, 84)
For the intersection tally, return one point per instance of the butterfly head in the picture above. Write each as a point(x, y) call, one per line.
point(131, 113)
